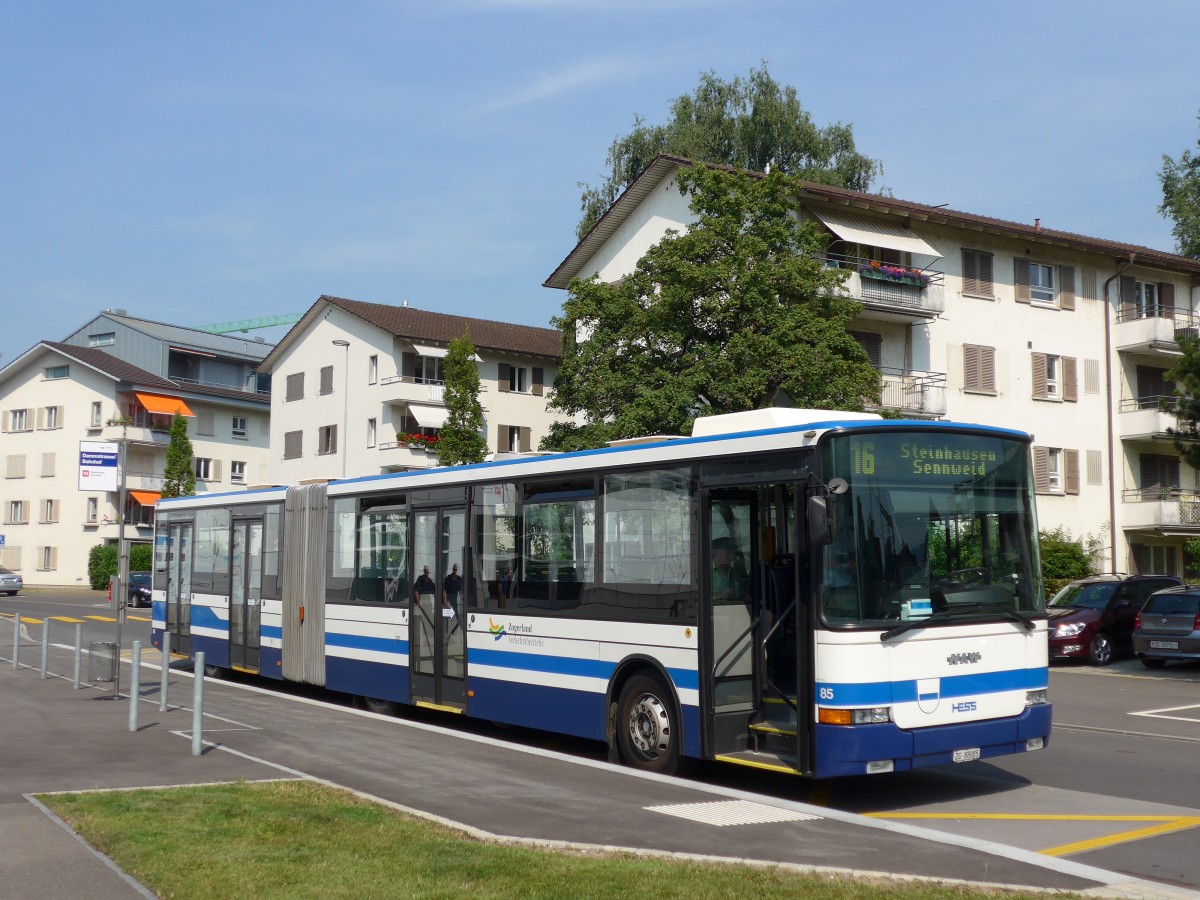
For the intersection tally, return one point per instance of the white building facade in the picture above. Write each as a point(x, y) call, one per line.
point(359, 388)
point(58, 396)
point(980, 320)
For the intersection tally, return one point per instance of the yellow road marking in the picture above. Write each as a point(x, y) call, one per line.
point(67, 619)
point(1167, 824)
point(129, 618)
point(101, 618)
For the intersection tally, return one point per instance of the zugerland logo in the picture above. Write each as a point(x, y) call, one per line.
point(964, 707)
point(962, 659)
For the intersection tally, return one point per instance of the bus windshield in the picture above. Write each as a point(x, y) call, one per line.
point(930, 524)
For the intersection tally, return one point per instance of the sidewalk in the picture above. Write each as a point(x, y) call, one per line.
point(58, 739)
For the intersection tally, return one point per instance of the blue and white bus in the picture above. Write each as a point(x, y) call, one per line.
point(804, 591)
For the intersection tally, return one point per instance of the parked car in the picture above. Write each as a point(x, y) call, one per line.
point(10, 581)
point(139, 589)
point(1093, 617)
point(1168, 627)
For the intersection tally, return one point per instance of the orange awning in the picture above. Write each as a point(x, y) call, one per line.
point(146, 498)
point(167, 406)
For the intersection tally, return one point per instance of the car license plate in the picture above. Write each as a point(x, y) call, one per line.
point(966, 755)
point(1164, 645)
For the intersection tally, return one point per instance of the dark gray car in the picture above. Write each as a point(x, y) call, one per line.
point(1168, 627)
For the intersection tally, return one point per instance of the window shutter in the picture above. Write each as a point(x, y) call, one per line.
point(53, 557)
point(1072, 461)
point(971, 377)
point(986, 287)
point(525, 439)
point(987, 368)
point(1021, 279)
point(1148, 466)
point(505, 378)
point(48, 465)
point(1128, 297)
point(1094, 465)
point(326, 379)
point(214, 471)
point(61, 420)
point(1070, 379)
point(7, 421)
point(1041, 470)
point(501, 438)
point(41, 418)
point(1166, 297)
point(539, 376)
point(205, 422)
point(970, 264)
point(333, 439)
point(872, 344)
point(1066, 287)
point(1087, 283)
point(16, 466)
point(1039, 376)
point(1091, 376)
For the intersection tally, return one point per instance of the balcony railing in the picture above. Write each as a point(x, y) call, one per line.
point(1161, 507)
point(1147, 417)
point(905, 291)
point(1155, 328)
point(244, 388)
point(400, 453)
point(912, 392)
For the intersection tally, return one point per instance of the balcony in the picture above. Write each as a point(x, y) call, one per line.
point(1153, 330)
point(914, 393)
point(1146, 418)
point(396, 456)
point(407, 389)
point(1161, 509)
point(892, 293)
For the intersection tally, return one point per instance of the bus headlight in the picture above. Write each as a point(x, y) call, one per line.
point(1036, 698)
point(872, 715)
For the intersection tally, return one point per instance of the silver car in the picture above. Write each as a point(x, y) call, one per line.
point(10, 582)
point(1168, 627)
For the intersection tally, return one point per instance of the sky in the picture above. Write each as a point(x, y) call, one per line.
point(207, 162)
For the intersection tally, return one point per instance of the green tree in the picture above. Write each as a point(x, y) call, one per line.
point(1181, 199)
point(462, 438)
point(179, 479)
point(1186, 405)
point(1065, 559)
point(737, 313)
point(749, 123)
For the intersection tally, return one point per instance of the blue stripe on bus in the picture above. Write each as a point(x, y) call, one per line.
point(882, 693)
point(567, 665)
point(367, 679)
point(206, 617)
point(215, 650)
point(365, 642)
point(271, 631)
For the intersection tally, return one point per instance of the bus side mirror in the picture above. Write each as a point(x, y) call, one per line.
point(820, 527)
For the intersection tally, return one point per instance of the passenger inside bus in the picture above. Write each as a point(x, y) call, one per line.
point(728, 585)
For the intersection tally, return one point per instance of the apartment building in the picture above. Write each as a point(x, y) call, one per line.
point(60, 398)
point(360, 388)
point(978, 319)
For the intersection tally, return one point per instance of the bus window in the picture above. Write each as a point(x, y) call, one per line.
point(647, 528)
point(381, 573)
point(494, 546)
point(558, 544)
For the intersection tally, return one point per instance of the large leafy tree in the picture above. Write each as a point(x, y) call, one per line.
point(1186, 404)
point(1181, 199)
point(179, 479)
point(736, 313)
point(462, 436)
point(750, 123)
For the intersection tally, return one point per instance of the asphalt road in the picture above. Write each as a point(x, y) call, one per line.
point(1118, 787)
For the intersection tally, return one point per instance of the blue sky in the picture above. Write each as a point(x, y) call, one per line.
point(212, 161)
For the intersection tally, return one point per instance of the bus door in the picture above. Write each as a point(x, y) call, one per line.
point(437, 631)
point(245, 593)
point(759, 634)
point(179, 586)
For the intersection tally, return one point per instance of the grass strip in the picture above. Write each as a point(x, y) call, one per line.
point(298, 839)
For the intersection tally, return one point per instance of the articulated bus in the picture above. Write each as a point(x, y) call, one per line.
point(811, 592)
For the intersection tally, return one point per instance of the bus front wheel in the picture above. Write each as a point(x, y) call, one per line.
point(646, 726)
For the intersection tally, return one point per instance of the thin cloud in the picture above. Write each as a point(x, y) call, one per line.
point(575, 77)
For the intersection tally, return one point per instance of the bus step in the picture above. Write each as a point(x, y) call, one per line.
point(787, 729)
point(774, 762)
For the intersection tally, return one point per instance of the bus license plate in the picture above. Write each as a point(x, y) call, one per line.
point(1164, 645)
point(966, 755)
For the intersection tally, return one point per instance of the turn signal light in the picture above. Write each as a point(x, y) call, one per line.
point(834, 716)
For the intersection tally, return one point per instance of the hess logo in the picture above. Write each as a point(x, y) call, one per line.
point(965, 706)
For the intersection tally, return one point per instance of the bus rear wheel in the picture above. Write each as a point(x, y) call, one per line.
point(382, 707)
point(647, 732)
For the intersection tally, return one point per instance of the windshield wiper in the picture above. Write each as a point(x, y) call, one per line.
point(949, 614)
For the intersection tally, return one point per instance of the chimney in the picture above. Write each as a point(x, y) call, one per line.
point(1037, 224)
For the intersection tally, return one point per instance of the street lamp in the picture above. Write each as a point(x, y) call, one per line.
point(345, 403)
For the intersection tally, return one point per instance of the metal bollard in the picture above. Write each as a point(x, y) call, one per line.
point(198, 704)
point(135, 685)
point(166, 671)
point(78, 651)
point(16, 637)
point(45, 644)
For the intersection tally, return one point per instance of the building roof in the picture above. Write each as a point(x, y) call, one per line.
point(221, 344)
point(439, 328)
point(121, 371)
point(663, 165)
